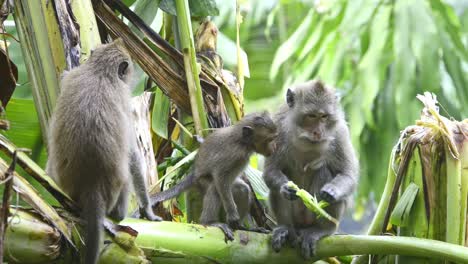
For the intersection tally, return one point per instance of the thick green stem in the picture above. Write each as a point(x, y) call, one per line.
point(376, 225)
point(452, 234)
point(191, 68)
point(89, 33)
point(464, 189)
point(196, 241)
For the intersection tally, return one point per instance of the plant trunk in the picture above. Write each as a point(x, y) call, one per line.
point(31, 240)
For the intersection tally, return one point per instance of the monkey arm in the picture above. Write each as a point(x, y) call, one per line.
point(345, 165)
point(272, 174)
point(139, 184)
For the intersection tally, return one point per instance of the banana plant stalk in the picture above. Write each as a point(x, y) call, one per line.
point(43, 53)
point(191, 68)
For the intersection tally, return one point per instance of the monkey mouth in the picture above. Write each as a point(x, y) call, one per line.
point(313, 141)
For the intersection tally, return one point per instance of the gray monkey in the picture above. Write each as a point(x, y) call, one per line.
point(220, 160)
point(93, 152)
point(313, 150)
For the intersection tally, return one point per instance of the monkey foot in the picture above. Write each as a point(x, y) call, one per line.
point(148, 214)
point(279, 237)
point(308, 246)
point(228, 233)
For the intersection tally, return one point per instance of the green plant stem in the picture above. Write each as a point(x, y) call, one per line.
point(453, 198)
point(248, 247)
point(464, 189)
point(43, 54)
point(89, 33)
point(376, 225)
point(191, 68)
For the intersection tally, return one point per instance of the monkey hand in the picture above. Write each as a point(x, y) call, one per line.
point(288, 192)
point(308, 244)
point(329, 193)
point(148, 214)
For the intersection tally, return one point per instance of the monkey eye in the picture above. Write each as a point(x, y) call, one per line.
point(122, 69)
point(325, 116)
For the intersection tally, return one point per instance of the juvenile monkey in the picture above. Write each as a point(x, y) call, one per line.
point(93, 152)
point(313, 150)
point(221, 158)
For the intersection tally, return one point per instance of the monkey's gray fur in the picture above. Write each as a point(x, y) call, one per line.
point(314, 151)
point(220, 160)
point(93, 152)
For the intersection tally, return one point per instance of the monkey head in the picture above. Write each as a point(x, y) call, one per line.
point(259, 132)
point(314, 111)
point(113, 60)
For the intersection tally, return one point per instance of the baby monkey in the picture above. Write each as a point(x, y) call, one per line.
point(220, 160)
point(93, 153)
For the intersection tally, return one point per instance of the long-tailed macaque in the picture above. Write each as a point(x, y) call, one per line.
point(220, 160)
point(93, 152)
point(314, 151)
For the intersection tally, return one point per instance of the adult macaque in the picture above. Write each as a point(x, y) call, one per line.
point(93, 153)
point(314, 151)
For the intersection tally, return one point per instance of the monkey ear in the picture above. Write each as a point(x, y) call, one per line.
point(123, 66)
point(319, 85)
point(266, 115)
point(290, 98)
point(247, 133)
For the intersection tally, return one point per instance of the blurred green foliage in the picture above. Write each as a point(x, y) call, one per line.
point(380, 54)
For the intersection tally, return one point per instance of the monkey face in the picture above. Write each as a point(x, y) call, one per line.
point(315, 111)
point(260, 132)
point(316, 126)
point(265, 142)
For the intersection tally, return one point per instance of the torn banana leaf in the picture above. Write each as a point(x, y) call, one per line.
point(404, 205)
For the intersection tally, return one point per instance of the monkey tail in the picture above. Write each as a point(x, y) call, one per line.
point(93, 213)
point(180, 187)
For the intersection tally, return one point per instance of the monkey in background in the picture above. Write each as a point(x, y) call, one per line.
point(93, 153)
point(220, 160)
point(313, 150)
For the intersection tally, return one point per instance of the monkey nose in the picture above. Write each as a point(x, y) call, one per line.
point(317, 134)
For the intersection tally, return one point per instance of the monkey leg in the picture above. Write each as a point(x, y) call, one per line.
point(223, 187)
point(119, 211)
point(139, 184)
point(284, 232)
point(243, 200)
point(322, 227)
point(211, 206)
point(210, 213)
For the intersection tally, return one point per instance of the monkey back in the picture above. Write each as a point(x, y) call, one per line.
point(91, 127)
